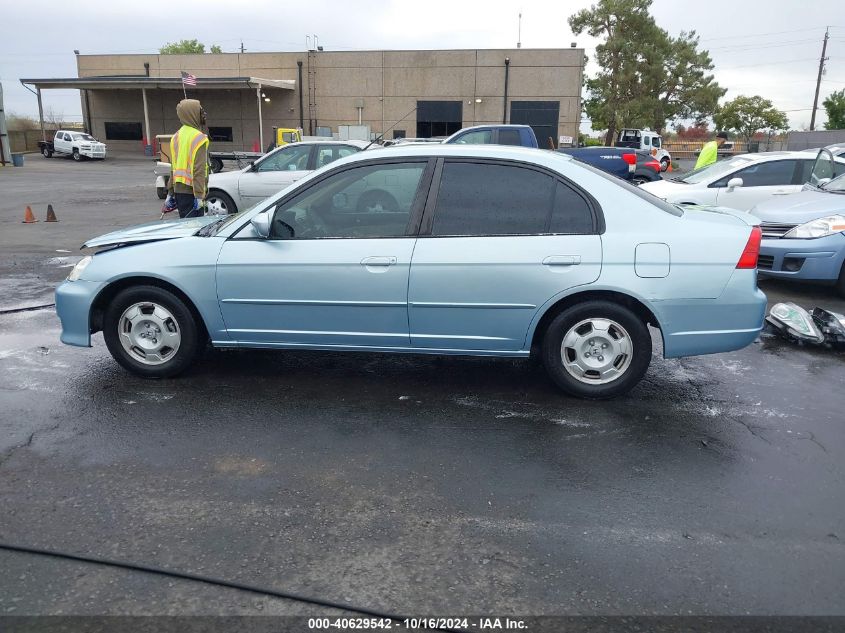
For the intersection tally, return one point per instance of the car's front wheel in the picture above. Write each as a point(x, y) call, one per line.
point(219, 203)
point(596, 350)
point(76, 155)
point(151, 332)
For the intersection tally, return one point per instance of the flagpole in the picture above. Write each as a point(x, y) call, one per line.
point(182, 74)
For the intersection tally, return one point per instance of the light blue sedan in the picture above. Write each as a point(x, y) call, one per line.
point(804, 235)
point(475, 250)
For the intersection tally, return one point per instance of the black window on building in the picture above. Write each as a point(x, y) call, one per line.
point(123, 131)
point(439, 118)
point(223, 134)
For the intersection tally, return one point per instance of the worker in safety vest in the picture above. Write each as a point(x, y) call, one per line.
point(188, 184)
point(710, 151)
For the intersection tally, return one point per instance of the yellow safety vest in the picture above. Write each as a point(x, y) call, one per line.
point(183, 151)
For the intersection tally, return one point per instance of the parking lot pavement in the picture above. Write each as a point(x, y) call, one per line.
point(418, 485)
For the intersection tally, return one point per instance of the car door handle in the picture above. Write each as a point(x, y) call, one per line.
point(562, 260)
point(378, 261)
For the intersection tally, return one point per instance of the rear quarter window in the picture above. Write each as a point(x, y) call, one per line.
point(640, 193)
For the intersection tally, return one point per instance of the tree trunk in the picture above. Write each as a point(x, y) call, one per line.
point(610, 137)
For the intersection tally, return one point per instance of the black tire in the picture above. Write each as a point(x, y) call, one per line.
point(183, 322)
point(638, 180)
point(76, 155)
point(46, 152)
point(372, 200)
point(216, 165)
point(664, 164)
point(161, 192)
point(631, 367)
point(215, 196)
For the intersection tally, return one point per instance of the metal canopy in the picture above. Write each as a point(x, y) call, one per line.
point(135, 82)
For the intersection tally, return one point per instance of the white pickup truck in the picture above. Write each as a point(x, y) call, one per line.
point(75, 144)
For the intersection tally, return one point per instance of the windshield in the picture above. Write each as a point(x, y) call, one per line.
point(837, 185)
point(83, 137)
point(714, 171)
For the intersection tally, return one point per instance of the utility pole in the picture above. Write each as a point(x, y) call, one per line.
point(819, 80)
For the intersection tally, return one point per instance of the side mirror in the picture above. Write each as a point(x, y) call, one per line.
point(822, 182)
point(261, 224)
point(733, 183)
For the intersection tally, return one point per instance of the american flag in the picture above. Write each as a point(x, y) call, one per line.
point(188, 79)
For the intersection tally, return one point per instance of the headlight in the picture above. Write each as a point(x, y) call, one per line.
point(81, 265)
point(818, 228)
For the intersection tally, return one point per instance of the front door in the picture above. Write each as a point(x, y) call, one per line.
point(274, 172)
point(334, 272)
point(498, 243)
point(760, 182)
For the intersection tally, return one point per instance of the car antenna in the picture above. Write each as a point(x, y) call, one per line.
point(380, 136)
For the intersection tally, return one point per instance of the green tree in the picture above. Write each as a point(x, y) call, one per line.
point(614, 98)
point(834, 105)
point(187, 47)
point(679, 82)
point(749, 115)
point(645, 77)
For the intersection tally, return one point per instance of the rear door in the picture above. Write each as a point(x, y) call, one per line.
point(760, 182)
point(498, 240)
point(275, 172)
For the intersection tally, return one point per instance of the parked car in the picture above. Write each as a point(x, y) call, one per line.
point(78, 145)
point(503, 134)
point(638, 166)
point(492, 251)
point(233, 191)
point(804, 234)
point(646, 140)
point(740, 182)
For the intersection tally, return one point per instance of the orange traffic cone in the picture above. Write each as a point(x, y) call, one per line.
point(670, 167)
point(29, 216)
point(51, 215)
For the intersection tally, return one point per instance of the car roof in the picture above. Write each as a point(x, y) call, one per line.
point(542, 157)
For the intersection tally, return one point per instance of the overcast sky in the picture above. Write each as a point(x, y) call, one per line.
point(766, 47)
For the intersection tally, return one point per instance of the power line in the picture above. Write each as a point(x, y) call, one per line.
point(777, 63)
point(734, 37)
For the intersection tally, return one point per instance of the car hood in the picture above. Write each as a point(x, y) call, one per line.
point(152, 231)
point(226, 178)
point(663, 188)
point(800, 207)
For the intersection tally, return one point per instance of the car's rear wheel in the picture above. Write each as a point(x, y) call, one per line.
point(596, 350)
point(638, 180)
point(219, 203)
point(161, 192)
point(151, 332)
point(216, 165)
point(45, 151)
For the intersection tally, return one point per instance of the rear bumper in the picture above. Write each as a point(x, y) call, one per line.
point(73, 306)
point(812, 260)
point(692, 327)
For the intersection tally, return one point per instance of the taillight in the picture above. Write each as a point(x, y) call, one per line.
point(748, 259)
point(631, 159)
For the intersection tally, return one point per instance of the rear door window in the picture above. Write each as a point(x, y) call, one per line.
point(492, 199)
point(479, 137)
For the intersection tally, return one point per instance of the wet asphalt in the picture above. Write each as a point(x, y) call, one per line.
point(418, 485)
